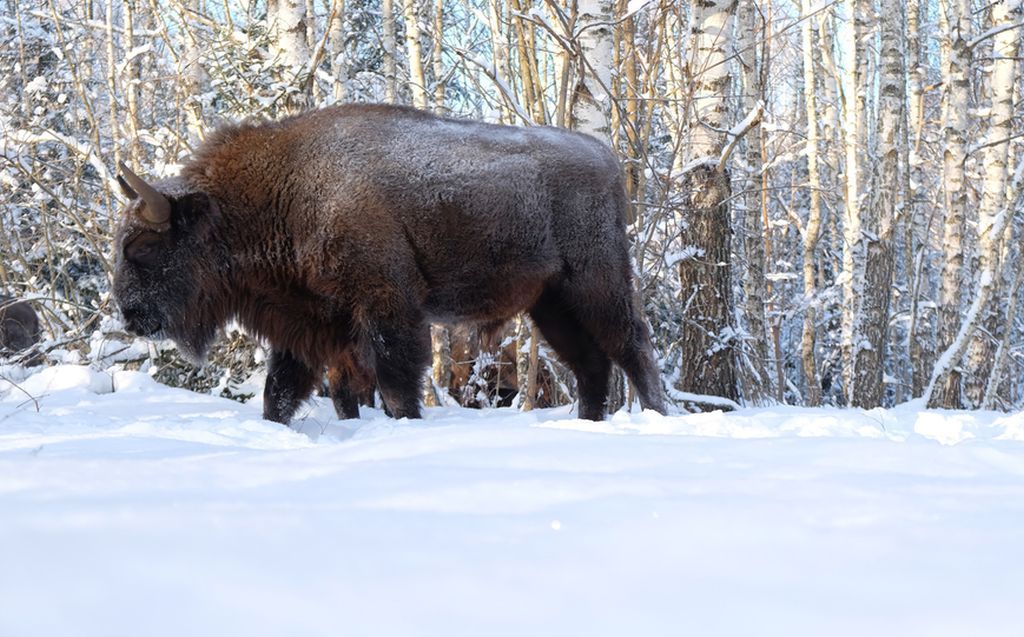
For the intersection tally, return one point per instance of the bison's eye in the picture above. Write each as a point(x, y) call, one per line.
point(144, 249)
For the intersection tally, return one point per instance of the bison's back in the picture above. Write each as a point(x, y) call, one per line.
point(484, 214)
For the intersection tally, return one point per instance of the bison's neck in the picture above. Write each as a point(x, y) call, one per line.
point(270, 299)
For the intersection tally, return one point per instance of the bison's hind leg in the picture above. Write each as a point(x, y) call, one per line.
point(346, 402)
point(399, 351)
point(611, 318)
point(349, 382)
point(566, 335)
point(289, 382)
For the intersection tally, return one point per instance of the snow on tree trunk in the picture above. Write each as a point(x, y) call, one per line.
point(389, 50)
point(759, 385)
point(131, 79)
point(879, 218)
point(852, 30)
point(707, 357)
point(414, 53)
point(591, 104)
point(955, 23)
point(812, 229)
point(289, 29)
point(436, 57)
point(499, 48)
point(339, 57)
point(918, 266)
point(993, 215)
point(194, 77)
point(993, 211)
point(112, 103)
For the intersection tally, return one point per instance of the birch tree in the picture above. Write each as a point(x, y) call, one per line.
point(339, 57)
point(955, 23)
point(414, 54)
point(749, 36)
point(812, 228)
point(591, 103)
point(879, 216)
point(707, 358)
point(853, 27)
point(289, 28)
point(993, 213)
point(388, 52)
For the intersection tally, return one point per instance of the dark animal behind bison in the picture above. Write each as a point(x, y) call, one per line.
point(339, 234)
point(19, 328)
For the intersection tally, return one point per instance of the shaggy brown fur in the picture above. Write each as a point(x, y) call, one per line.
point(338, 234)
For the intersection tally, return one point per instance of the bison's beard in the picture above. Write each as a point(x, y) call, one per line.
point(193, 336)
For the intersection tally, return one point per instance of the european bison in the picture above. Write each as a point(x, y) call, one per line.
point(338, 234)
point(19, 327)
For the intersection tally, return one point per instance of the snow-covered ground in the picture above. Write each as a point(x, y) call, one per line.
point(156, 511)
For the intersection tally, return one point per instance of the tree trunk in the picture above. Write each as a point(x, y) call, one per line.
point(591, 103)
point(289, 28)
point(389, 50)
point(759, 387)
point(854, 249)
point(992, 215)
point(992, 212)
point(955, 22)
point(707, 358)
point(812, 229)
point(414, 53)
point(879, 219)
point(339, 56)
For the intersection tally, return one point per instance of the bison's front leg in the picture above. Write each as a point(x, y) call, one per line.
point(289, 382)
point(401, 351)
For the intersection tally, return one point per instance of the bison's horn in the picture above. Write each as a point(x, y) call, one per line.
point(157, 209)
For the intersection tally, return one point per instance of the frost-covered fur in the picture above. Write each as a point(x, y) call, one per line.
point(19, 326)
point(338, 234)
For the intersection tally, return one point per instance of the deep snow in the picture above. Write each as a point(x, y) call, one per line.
point(155, 511)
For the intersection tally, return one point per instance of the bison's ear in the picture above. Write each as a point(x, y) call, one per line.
point(194, 210)
point(145, 249)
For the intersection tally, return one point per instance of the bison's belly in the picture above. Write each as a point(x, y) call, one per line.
point(486, 298)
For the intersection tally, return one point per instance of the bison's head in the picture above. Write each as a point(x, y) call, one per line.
point(169, 262)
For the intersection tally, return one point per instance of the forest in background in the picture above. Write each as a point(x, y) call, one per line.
point(826, 194)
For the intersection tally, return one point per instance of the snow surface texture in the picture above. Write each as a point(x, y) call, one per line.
point(129, 508)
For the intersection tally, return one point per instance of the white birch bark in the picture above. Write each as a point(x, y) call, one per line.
point(918, 268)
point(710, 46)
point(111, 68)
point(955, 57)
point(499, 48)
point(130, 83)
point(748, 33)
point(879, 216)
point(992, 211)
point(437, 61)
point(708, 363)
point(289, 29)
point(812, 228)
point(389, 50)
point(853, 253)
point(339, 56)
point(591, 103)
point(993, 215)
point(414, 54)
point(194, 77)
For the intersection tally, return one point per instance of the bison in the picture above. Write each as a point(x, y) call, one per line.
point(19, 328)
point(337, 235)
